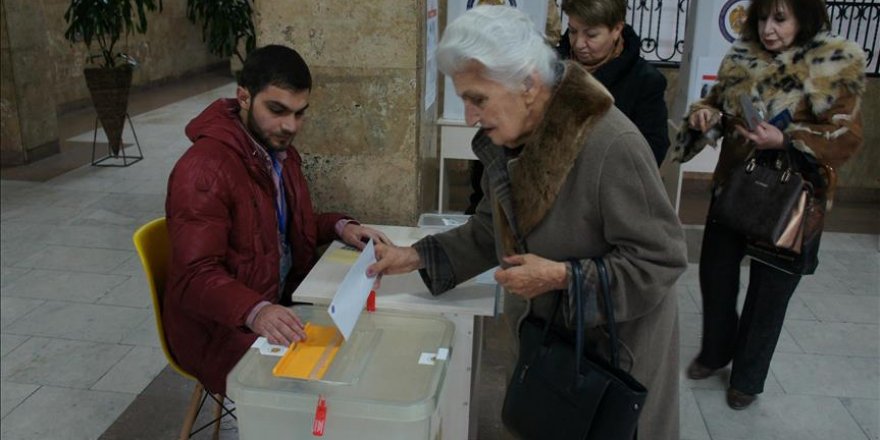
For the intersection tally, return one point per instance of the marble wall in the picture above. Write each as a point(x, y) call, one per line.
point(42, 71)
point(863, 170)
point(369, 146)
point(29, 125)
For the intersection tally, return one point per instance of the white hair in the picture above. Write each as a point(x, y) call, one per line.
point(501, 38)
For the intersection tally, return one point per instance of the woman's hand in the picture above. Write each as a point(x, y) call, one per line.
point(704, 119)
point(392, 260)
point(531, 275)
point(765, 136)
point(357, 235)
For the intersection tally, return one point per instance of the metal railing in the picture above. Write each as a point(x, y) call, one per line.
point(858, 21)
point(662, 26)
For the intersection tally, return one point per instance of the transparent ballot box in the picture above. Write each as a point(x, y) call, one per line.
point(384, 382)
point(442, 222)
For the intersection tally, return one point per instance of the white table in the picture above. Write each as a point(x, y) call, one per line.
point(464, 306)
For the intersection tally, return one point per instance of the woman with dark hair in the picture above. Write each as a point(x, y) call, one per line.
point(607, 47)
point(809, 84)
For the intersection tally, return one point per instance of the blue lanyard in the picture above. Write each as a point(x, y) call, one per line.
point(280, 201)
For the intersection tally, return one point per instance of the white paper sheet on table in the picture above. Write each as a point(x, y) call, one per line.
point(352, 293)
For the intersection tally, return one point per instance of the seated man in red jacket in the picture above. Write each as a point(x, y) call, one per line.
point(240, 218)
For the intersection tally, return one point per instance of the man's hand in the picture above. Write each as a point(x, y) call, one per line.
point(357, 235)
point(531, 275)
point(765, 136)
point(279, 325)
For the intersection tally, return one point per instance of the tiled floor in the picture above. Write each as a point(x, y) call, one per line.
point(79, 342)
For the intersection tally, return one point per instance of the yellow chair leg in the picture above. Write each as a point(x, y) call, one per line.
point(218, 411)
point(192, 411)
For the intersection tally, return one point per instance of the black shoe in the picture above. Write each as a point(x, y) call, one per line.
point(739, 400)
point(698, 371)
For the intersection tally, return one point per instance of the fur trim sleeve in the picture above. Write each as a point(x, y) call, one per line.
point(833, 91)
point(835, 136)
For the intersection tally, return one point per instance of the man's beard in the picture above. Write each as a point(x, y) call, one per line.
point(260, 136)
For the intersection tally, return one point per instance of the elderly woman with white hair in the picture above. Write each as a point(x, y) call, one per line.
point(568, 178)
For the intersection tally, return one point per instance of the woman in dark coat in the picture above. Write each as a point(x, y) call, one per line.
point(605, 46)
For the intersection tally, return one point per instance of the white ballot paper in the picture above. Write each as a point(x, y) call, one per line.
point(352, 293)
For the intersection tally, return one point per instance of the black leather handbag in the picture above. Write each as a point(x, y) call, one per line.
point(561, 391)
point(764, 199)
point(771, 201)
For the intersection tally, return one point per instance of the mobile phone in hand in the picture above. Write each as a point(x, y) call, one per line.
point(749, 114)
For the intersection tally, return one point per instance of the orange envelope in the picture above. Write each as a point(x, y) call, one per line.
point(310, 359)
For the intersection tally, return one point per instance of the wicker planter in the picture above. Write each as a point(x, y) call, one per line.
point(109, 89)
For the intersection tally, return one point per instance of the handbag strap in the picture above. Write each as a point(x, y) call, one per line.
point(605, 291)
point(605, 288)
point(577, 274)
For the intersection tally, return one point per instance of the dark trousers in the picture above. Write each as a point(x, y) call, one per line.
point(750, 339)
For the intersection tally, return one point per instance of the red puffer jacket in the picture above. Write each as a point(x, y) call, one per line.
point(224, 233)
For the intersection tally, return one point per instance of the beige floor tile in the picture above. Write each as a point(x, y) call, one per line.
point(134, 292)
point(134, 372)
point(145, 334)
point(101, 237)
point(780, 417)
point(59, 413)
point(8, 275)
point(76, 259)
point(835, 338)
point(13, 394)
point(12, 253)
point(59, 362)
point(691, 424)
point(83, 322)
point(12, 309)
point(844, 308)
point(10, 342)
point(824, 375)
point(64, 285)
point(867, 414)
point(131, 266)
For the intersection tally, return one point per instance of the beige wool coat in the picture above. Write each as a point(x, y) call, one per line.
point(585, 185)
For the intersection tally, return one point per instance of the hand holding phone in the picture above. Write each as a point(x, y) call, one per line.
point(749, 114)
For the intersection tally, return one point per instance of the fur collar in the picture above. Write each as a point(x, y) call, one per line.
point(543, 166)
point(816, 74)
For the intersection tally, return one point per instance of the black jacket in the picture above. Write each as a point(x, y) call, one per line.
point(638, 90)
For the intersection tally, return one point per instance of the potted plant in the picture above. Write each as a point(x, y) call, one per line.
point(105, 22)
point(225, 24)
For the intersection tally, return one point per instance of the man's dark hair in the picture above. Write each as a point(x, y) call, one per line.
point(275, 65)
point(811, 17)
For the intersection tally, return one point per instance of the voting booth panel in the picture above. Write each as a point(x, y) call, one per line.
point(384, 383)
